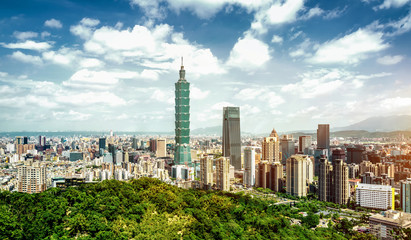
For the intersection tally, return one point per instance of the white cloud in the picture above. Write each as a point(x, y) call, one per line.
point(277, 39)
point(164, 96)
point(45, 34)
point(91, 98)
point(249, 93)
point(71, 116)
point(29, 45)
point(401, 26)
point(3, 74)
point(157, 47)
point(90, 22)
point(53, 23)
point(64, 56)
point(392, 4)
point(313, 12)
point(278, 13)
point(26, 58)
point(396, 102)
point(220, 105)
point(350, 49)
point(249, 54)
point(197, 93)
point(91, 63)
point(272, 99)
point(335, 13)
point(390, 60)
point(25, 35)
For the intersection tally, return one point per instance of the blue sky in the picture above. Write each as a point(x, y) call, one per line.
point(289, 64)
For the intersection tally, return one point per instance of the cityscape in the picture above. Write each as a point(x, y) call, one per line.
point(149, 129)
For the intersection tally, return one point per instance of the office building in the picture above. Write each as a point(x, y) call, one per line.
point(340, 182)
point(206, 172)
point(271, 148)
point(276, 176)
point(161, 150)
point(232, 136)
point(338, 153)
point(249, 167)
point(135, 143)
point(355, 154)
point(304, 142)
point(31, 179)
point(310, 169)
point(287, 147)
point(353, 171)
point(318, 154)
point(375, 196)
point(182, 153)
point(102, 143)
point(405, 195)
point(323, 136)
point(223, 173)
point(76, 156)
point(296, 178)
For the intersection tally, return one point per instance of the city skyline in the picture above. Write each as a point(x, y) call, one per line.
point(287, 64)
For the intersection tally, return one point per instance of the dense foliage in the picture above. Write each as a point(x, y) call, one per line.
point(149, 209)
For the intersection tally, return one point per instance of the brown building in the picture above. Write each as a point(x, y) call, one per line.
point(271, 148)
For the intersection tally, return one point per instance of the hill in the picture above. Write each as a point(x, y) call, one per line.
point(381, 124)
point(150, 209)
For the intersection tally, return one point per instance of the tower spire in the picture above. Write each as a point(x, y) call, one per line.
point(182, 71)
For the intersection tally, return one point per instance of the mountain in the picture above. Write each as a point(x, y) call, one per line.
point(380, 124)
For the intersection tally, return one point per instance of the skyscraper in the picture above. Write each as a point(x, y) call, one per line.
point(31, 179)
point(102, 143)
point(182, 154)
point(232, 136)
point(325, 181)
point(323, 136)
point(287, 147)
point(249, 166)
point(303, 143)
point(405, 196)
point(340, 181)
point(161, 150)
point(271, 148)
point(206, 172)
point(297, 175)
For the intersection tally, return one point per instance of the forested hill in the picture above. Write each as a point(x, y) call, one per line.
point(149, 209)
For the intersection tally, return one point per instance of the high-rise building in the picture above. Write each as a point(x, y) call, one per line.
point(19, 140)
point(406, 195)
point(287, 147)
point(338, 153)
point(304, 142)
point(102, 143)
point(310, 170)
point(232, 136)
point(323, 136)
point(263, 174)
point(355, 154)
point(249, 167)
point(25, 140)
point(31, 179)
point(206, 172)
point(42, 140)
point(182, 153)
point(340, 181)
point(161, 150)
point(135, 143)
point(318, 154)
point(223, 173)
point(296, 177)
point(325, 186)
point(276, 176)
point(271, 148)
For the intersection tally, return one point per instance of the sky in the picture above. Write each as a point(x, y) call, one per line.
point(288, 64)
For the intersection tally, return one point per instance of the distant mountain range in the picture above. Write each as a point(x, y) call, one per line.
point(380, 124)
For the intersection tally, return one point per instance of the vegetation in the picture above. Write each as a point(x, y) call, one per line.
point(150, 209)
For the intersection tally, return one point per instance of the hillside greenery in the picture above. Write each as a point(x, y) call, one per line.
point(150, 209)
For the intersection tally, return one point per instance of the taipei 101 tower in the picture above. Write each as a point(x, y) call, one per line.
point(182, 154)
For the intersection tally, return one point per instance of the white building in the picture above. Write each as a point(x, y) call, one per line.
point(249, 166)
point(375, 196)
point(310, 170)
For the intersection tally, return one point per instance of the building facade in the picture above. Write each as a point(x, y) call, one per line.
point(232, 136)
point(206, 172)
point(223, 174)
point(296, 178)
point(375, 196)
point(31, 179)
point(271, 148)
point(182, 153)
point(406, 195)
point(323, 136)
point(304, 142)
point(249, 167)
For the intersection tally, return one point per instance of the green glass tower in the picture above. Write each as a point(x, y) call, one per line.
point(182, 154)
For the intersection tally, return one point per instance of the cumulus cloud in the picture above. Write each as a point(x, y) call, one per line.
point(197, 93)
point(53, 23)
point(277, 39)
point(313, 12)
point(390, 60)
point(24, 35)
point(71, 116)
point(392, 4)
point(29, 45)
point(26, 58)
point(84, 28)
point(278, 13)
point(64, 56)
point(157, 47)
point(350, 49)
point(249, 54)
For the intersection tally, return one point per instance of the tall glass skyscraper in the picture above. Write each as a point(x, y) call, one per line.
point(232, 136)
point(182, 154)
